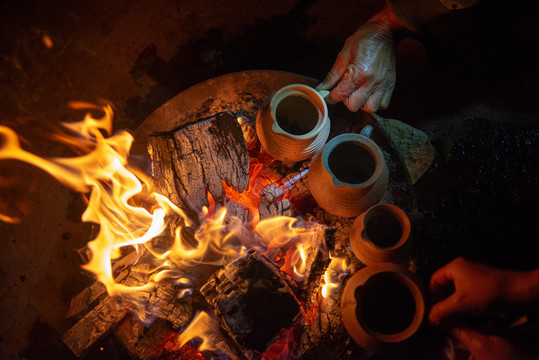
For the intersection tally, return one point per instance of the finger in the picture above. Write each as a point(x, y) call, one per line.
point(471, 339)
point(444, 309)
point(326, 95)
point(373, 102)
point(352, 80)
point(335, 74)
point(441, 282)
point(357, 99)
point(386, 98)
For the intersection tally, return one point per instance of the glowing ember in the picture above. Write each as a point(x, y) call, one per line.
point(279, 349)
point(249, 198)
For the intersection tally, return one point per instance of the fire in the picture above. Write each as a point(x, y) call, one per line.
point(277, 234)
point(336, 270)
point(279, 349)
point(200, 328)
point(120, 201)
point(284, 234)
point(250, 198)
point(133, 217)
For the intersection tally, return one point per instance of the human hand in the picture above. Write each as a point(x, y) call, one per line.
point(489, 347)
point(476, 289)
point(363, 75)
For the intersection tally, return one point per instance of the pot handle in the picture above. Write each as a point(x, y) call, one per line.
point(367, 131)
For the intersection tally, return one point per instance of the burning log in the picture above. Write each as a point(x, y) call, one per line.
point(253, 302)
point(317, 337)
point(159, 302)
point(92, 327)
point(194, 159)
point(160, 341)
point(278, 208)
point(88, 296)
point(293, 184)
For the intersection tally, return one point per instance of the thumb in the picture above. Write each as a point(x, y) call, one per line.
point(335, 74)
point(329, 82)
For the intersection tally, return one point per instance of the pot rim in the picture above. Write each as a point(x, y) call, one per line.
point(401, 217)
point(372, 148)
point(362, 334)
point(306, 92)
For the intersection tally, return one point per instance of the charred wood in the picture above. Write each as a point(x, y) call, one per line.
point(252, 301)
point(81, 303)
point(194, 159)
point(96, 324)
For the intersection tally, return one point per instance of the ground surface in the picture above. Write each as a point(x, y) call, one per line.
point(469, 82)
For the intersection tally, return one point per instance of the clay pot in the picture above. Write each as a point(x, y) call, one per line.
point(348, 176)
point(381, 234)
point(293, 123)
point(382, 307)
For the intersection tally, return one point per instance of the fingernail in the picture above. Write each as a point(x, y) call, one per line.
point(320, 86)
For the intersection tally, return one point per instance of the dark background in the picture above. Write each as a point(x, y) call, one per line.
point(469, 81)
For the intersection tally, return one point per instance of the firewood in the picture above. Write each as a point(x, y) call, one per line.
point(160, 341)
point(80, 303)
point(99, 321)
point(277, 208)
point(194, 159)
point(252, 301)
point(161, 301)
point(96, 324)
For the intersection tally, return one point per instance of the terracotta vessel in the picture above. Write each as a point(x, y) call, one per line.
point(348, 176)
point(293, 123)
point(381, 234)
point(382, 307)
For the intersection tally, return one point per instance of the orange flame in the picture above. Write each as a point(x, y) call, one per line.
point(280, 233)
point(250, 197)
point(336, 270)
point(114, 189)
point(200, 328)
point(131, 216)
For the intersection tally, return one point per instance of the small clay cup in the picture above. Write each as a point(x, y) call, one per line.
point(348, 176)
point(382, 307)
point(381, 234)
point(293, 123)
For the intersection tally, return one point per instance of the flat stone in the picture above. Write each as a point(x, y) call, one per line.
point(413, 145)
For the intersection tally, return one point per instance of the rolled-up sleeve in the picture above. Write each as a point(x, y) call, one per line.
point(415, 14)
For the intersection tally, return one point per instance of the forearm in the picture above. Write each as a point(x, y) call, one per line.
point(387, 19)
point(524, 289)
point(383, 26)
